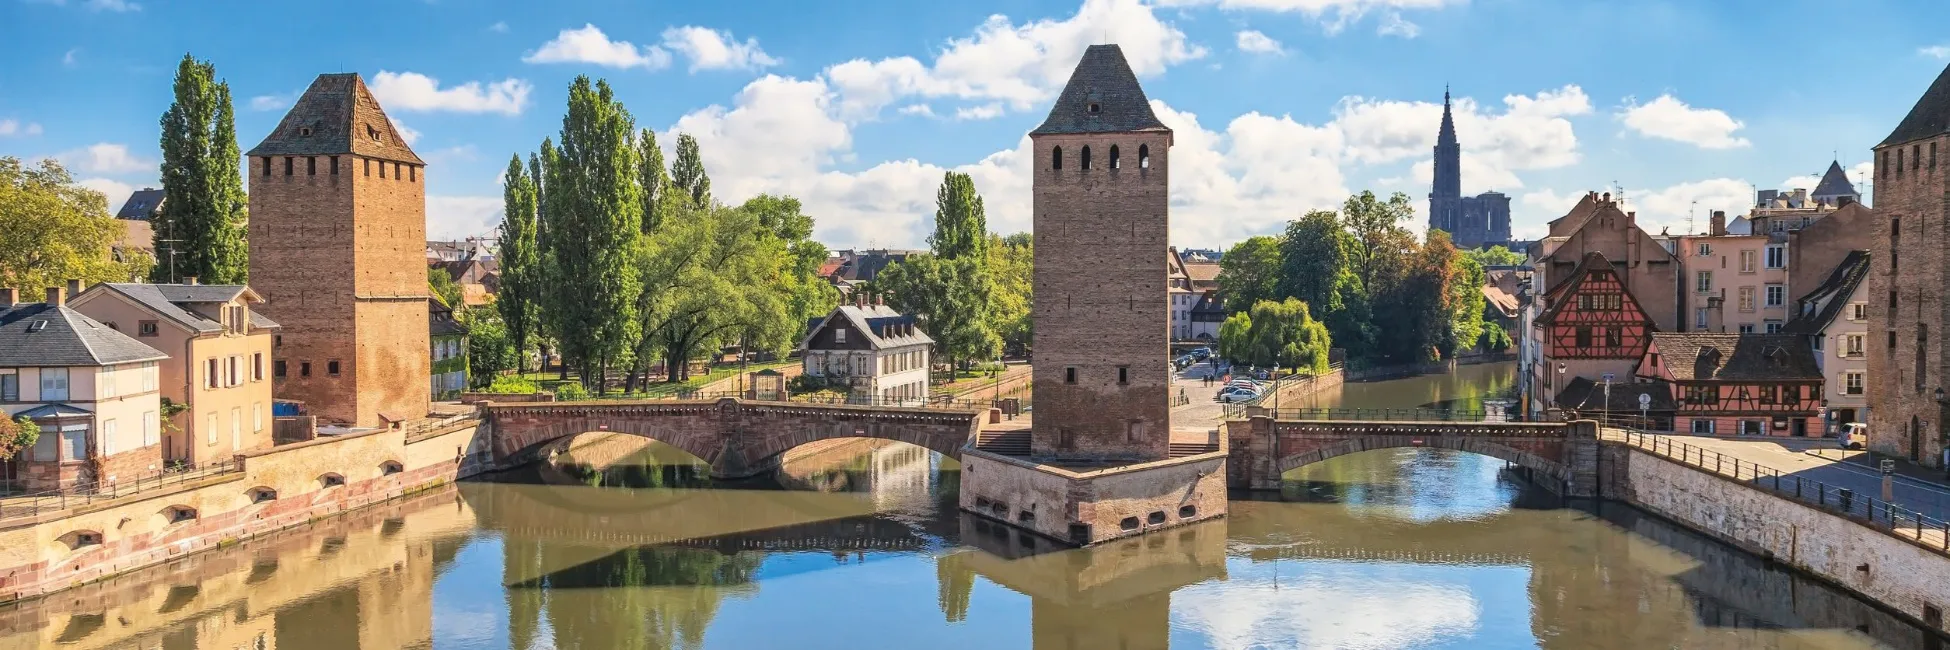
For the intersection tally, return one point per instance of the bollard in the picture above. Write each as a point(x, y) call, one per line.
point(1846, 497)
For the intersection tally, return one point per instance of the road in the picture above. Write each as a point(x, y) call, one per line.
point(1792, 457)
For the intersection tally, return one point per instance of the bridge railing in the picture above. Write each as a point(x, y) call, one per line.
point(1892, 518)
point(939, 403)
point(1389, 415)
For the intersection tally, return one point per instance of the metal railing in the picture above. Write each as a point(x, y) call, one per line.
point(28, 505)
point(1391, 415)
point(1886, 516)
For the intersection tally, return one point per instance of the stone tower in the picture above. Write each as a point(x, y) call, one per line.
point(338, 250)
point(1911, 254)
point(1102, 371)
point(1445, 196)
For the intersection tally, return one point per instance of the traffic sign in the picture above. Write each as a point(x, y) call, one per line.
point(1608, 377)
point(1645, 400)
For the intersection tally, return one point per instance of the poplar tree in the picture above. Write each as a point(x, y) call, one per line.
point(687, 173)
point(595, 216)
point(519, 259)
point(203, 213)
point(652, 177)
point(961, 228)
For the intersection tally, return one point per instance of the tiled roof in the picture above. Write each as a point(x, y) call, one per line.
point(1102, 79)
point(440, 320)
point(868, 264)
point(1201, 272)
point(1834, 182)
point(336, 115)
point(167, 300)
point(1583, 394)
point(872, 320)
point(38, 334)
point(1929, 117)
point(1502, 301)
point(1822, 305)
point(1700, 356)
point(141, 205)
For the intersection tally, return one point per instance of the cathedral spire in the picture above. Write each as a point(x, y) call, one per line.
point(1447, 135)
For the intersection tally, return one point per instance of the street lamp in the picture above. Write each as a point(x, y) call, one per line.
point(1558, 383)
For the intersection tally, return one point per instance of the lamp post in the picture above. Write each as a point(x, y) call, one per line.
point(1557, 384)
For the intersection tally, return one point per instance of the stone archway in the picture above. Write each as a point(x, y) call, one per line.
point(530, 444)
point(1540, 466)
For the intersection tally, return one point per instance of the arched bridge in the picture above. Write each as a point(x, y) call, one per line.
point(737, 437)
point(1561, 456)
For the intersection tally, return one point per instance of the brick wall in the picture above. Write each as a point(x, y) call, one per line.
point(1101, 242)
point(1898, 403)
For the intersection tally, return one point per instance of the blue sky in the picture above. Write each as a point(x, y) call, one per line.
point(858, 107)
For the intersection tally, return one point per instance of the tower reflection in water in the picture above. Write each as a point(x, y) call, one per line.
point(858, 545)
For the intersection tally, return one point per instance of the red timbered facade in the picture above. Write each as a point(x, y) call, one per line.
point(1738, 384)
point(1593, 316)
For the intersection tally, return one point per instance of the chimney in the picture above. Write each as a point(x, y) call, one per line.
point(1632, 219)
point(189, 280)
point(74, 288)
point(1607, 197)
point(1719, 223)
point(56, 297)
point(9, 297)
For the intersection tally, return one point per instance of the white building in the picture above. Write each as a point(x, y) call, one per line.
point(1183, 297)
point(93, 391)
point(1835, 318)
point(873, 353)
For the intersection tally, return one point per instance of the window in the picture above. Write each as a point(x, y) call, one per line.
point(267, 165)
point(210, 428)
point(105, 383)
point(1933, 155)
point(277, 368)
point(110, 431)
point(151, 434)
point(1852, 344)
point(148, 371)
point(1746, 261)
point(44, 446)
point(1084, 161)
point(1765, 394)
point(1852, 382)
point(1123, 375)
point(54, 384)
point(311, 165)
point(263, 495)
point(1858, 311)
point(1703, 426)
point(1584, 337)
point(1773, 327)
point(9, 386)
point(1699, 318)
point(1113, 156)
point(335, 165)
point(1746, 299)
point(1056, 158)
point(74, 442)
point(390, 468)
point(372, 133)
point(332, 367)
point(368, 162)
point(257, 366)
point(412, 174)
point(1702, 395)
point(1883, 167)
point(235, 375)
point(1776, 295)
point(1144, 156)
point(145, 328)
point(287, 165)
point(1614, 337)
point(1922, 351)
point(331, 480)
point(1746, 328)
point(180, 514)
point(839, 336)
point(382, 169)
point(1777, 256)
point(1704, 249)
point(257, 417)
point(210, 373)
point(1070, 375)
point(1705, 282)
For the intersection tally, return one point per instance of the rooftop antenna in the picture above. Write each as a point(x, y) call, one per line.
point(1689, 218)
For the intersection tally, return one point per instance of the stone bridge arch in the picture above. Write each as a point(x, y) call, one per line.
point(1540, 466)
point(1561, 456)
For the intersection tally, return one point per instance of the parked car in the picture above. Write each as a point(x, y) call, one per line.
point(1201, 353)
point(1237, 395)
point(1855, 435)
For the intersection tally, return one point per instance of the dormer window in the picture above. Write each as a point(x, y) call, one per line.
point(1094, 108)
point(372, 133)
point(304, 132)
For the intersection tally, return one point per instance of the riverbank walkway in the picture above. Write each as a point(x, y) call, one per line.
point(1818, 459)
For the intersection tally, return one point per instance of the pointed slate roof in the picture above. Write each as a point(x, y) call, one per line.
point(1929, 117)
point(1103, 79)
point(1834, 182)
point(337, 115)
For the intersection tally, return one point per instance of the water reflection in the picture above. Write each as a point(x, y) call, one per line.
point(622, 543)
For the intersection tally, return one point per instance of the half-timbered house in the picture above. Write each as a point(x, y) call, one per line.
point(1738, 384)
point(1591, 327)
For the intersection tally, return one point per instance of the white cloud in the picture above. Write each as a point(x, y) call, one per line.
point(68, 58)
point(1327, 605)
point(117, 192)
point(1532, 132)
point(412, 91)
point(1392, 24)
point(499, 27)
point(457, 217)
point(1333, 15)
point(916, 109)
point(113, 5)
point(1935, 51)
point(589, 45)
point(987, 111)
point(1671, 119)
point(1253, 41)
point(449, 155)
point(272, 102)
point(1669, 207)
point(1022, 66)
point(405, 133)
point(710, 49)
point(12, 127)
point(105, 158)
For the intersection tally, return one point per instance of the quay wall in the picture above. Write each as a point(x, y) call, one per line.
point(1900, 574)
point(46, 552)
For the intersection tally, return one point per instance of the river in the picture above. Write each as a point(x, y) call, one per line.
point(624, 543)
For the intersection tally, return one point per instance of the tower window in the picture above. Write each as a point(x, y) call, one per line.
point(1144, 156)
point(304, 369)
point(1123, 375)
point(1113, 156)
point(412, 174)
point(332, 367)
point(1933, 155)
point(1056, 158)
point(311, 165)
point(335, 165)
point(368, 166)
point(1884, 167)
point(1086, 158)
point(287, 165)
point(1094, 108)
point(304, 132)
point(267, 165)
point(382, 169)
point(1070, 375)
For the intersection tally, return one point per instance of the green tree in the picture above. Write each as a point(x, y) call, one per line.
point(1250, 271)
point(687, 173)
point(1313, 257)
point(52, 231)
point(1494, 338)
point(1236, 337)
point(1282, 334)
point(1381, 242)
point(1466, 301)
point(594, 218)
point(713, 276)
point(937, 291)
point(652, 177)
point(17, 434)
point(446, 289)
point(1011, 262)
point(961, 226)
point(490, 350)
point(520, 261)
point(1496, 256)
point(202, 221)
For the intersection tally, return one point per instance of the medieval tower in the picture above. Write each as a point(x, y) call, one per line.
point(338, 249)
point(1101, 207)
point(1910, 255)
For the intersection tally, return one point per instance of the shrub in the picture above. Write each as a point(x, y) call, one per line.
point(570, 392)
point(512, 385)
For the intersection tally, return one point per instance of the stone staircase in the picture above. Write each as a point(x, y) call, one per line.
point(1007, 443)
point(1183, 449)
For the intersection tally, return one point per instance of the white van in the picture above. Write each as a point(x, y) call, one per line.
point(1855, 435)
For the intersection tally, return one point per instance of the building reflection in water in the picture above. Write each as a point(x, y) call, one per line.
point(1383, 549)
